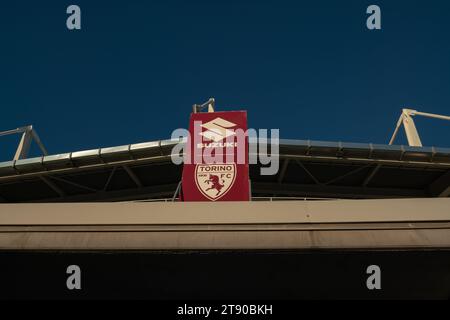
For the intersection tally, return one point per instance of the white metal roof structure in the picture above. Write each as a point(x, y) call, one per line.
point(308, 169)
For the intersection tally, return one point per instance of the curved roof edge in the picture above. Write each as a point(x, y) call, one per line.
point(154, 150)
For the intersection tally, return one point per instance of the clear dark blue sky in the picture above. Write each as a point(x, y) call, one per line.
point(309, 68)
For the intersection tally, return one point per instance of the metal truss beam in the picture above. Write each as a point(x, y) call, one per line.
point(346, 175)
point(111, 175)
point(53, 186)
point(441, 187)
point(308, 172)
point(371, 175)
point(133, 176)
point(283, 170)
point(74, 184)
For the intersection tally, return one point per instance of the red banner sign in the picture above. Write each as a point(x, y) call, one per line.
point(216, 166)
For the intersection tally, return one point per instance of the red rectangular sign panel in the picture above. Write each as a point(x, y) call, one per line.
point(216, 166)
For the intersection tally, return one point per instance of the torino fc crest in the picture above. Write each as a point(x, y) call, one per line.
point(215, 180)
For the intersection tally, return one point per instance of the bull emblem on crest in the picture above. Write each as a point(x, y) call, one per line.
point(215, 183)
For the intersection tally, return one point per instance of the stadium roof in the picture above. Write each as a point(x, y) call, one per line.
point(308, 169)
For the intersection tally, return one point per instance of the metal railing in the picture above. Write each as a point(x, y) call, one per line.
point(270, 199)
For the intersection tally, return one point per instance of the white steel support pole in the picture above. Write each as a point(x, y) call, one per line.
point(410, 128)
point(431, 115)
point(211, 103)
point(24, 145)
point(411, 131)
point(397, 127)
